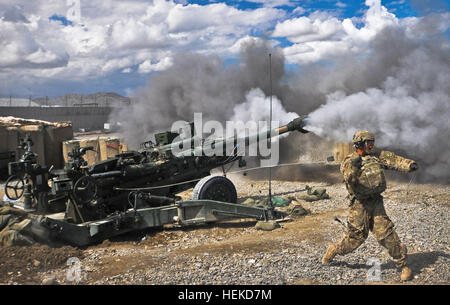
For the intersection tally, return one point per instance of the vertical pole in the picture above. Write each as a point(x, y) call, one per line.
point(270, 128)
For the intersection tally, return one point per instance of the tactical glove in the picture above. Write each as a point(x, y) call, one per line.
point(357, 162)
point(413, 167)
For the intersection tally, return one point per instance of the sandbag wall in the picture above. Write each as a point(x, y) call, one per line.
point(341, 150)
point(46, 136)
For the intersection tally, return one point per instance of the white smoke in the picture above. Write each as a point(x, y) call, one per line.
point(197, 83)
point(409, 111)
point(399, 90)
point(257, 108)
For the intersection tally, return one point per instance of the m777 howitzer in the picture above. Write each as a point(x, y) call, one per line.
point(163, 169)
point(137, 190)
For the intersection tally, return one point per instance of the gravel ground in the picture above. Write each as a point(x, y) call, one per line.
point(236, 253)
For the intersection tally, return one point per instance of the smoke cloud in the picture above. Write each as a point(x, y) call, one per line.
point(256, 108)
point(404, 101)
point(399, 91)
point(202, 83)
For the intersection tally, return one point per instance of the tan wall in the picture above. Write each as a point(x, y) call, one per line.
point(46, 142)
point(53, 138)
point(341, 150)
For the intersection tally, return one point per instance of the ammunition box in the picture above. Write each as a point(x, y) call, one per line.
point(61, 186)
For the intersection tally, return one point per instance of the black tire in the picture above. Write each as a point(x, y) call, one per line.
point(216, 188)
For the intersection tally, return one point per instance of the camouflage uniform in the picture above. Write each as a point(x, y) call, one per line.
point(365, 182)
point(14, 227)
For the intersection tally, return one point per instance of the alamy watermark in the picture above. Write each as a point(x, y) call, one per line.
point(374, 273)
point(74, 12)
point(74, 272)
point(236, 138)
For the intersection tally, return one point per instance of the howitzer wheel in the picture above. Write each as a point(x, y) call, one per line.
point(85, 189)
point(14, 187)
point(216, 188)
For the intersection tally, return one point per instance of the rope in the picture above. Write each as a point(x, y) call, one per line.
point(194, 180)
point(412, 178)
point(154, 187)
point(279, 165)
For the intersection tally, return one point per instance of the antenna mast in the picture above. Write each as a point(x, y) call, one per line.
point(270, 128)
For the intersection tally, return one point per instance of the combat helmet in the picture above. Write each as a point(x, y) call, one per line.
point(361, 136)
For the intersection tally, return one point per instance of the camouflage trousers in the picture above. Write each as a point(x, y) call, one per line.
point(13, 228)
point(370, 215)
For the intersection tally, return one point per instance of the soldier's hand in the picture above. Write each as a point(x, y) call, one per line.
point(357, 162)
point(414, 166)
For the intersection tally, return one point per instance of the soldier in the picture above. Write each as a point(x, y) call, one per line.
point(15, 227)
point(365, 181)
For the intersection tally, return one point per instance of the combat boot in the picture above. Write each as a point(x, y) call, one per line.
point(406, 274)
point(330, 254)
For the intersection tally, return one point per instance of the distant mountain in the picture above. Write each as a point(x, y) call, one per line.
point(100, 99)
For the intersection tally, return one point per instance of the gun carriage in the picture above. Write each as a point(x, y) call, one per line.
point(136, 189)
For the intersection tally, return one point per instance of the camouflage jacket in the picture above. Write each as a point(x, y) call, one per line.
point(367, 179)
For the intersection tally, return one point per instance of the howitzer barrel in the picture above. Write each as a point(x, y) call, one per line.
point(108, 174)
point(208, 146)
point(296, 124)
point(191, 145)
point(183, 144)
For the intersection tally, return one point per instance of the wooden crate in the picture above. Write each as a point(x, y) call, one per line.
point(109, 147)
point(104, 148)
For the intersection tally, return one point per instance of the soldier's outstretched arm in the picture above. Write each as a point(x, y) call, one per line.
point(394, 162)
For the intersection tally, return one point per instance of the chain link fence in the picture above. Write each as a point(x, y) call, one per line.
point(70, 100)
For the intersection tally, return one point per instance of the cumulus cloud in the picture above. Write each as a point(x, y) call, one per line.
point(134, 34)
point(148, 66)
point(20, 49)
point(275, 3)
point(299, 10)
point(116, 36)
point(305, 29)
point(317, 35)
point(240, 44)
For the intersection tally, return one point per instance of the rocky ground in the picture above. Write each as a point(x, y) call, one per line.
point(236, 253)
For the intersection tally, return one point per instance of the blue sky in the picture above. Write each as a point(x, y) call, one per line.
point(51, 48)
